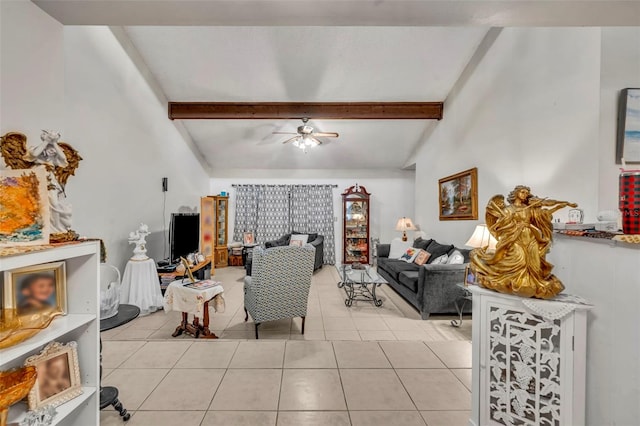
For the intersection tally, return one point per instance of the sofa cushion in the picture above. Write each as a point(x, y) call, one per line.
point(465, 253)
point(394, 267)
point(455, 258)
point(409, 279)
point(398, 247)
point(436, 249)
point(312, 236)
point(421, 243)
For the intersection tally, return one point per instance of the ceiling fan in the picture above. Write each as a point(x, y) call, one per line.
point(306, 137)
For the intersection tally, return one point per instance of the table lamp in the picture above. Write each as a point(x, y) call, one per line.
point(481, 238)
point(405, 224)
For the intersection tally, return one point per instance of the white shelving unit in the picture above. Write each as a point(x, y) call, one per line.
point(81, 324)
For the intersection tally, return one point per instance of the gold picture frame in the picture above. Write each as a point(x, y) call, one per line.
point(458, 196)
point(58, 379)
point(24, 289)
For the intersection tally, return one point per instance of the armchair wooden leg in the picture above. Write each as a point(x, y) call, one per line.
point(257, 324)
point(303, 318)
point(246, 315)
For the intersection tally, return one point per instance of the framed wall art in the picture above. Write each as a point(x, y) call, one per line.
point(58, 379)
point(458, 196)
point(24, 207)
point(628, 138)
point(38, 289)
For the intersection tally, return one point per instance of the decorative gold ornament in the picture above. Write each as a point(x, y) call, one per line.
point(524, 231)
point(16, 328)
point(14, 386)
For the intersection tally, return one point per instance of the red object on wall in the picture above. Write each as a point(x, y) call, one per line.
point(630, 201)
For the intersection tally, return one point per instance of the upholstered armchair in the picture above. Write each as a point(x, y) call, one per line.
point(279, 285)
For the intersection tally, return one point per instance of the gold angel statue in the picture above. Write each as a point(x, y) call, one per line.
point(523, 230)
point(60, 160)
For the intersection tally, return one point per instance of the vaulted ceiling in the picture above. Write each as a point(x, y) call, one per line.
point(313, 64)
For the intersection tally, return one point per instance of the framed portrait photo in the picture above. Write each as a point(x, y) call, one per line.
point(458, 196)
point(469, 277)
point(36, 289)
point(248, 238)
point(628, 138)
point(58, 379)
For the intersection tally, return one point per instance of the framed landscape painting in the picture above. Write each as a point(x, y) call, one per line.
point(24, 207)
point(628, 140)
point(458, 196)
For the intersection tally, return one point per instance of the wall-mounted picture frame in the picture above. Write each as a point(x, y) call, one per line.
point(458, 196)
point(58, 379)
point(248, 238)
point(37, 289)
point(628, 137)
point(24, 207)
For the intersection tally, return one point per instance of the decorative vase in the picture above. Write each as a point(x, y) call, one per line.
point(14, 386)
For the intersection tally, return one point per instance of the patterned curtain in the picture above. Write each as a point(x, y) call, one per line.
point(246, 210)
point(273, 213)
point(312, 211)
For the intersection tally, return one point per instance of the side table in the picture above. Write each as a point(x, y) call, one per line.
point(192, 301)
point(109, 394)
point(140, 286)
point(460, 303)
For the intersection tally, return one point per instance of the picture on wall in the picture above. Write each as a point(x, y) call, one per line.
point(628, 140)
point(459, 196)
point(24, 207)
point(58, 378)
point(39, 289)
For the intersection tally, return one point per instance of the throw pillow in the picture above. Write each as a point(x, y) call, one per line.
point(455, 258)
point(298, 240)
point(421, 243)
point(421, 258)
point(440, 260)
point(436, 249)
point(398, 247)
point(410, 254)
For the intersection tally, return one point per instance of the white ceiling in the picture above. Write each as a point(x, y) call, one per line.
point(224, 64)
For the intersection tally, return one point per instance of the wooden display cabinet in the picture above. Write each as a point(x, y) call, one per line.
point(355, 235)
point(221, 252)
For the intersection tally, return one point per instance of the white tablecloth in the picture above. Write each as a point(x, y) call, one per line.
point(140, 286)
point(179, 298)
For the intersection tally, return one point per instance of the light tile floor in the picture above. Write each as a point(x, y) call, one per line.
point(354, 366)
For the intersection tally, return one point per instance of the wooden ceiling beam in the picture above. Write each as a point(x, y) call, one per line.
point(298, 110)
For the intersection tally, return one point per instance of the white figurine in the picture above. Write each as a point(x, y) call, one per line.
point(138, 238)
point(51, 155)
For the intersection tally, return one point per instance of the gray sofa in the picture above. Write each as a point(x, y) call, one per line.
point(431, 289)
point(317, 241)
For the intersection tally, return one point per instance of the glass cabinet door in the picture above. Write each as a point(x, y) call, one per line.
point(356, 225)
point(222, 222)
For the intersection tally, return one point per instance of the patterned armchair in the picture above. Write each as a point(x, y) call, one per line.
point(279, 285)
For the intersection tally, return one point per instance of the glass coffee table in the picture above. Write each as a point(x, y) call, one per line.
point(360, 284)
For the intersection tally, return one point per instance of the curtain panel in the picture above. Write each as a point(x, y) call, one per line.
point(271, 211)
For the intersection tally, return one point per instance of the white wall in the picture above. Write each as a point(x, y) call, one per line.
point(620, 69)
point(527, 115)
point(128, 145)
point(392, 194)
point(31, 70)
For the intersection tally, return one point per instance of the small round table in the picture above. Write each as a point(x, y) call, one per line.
point(109, 394)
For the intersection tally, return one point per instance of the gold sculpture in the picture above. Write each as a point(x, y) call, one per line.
point(14, 386)
point(524, 231)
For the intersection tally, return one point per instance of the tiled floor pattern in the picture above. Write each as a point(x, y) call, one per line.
point(328, 318)
point(353, 366)
point(290, 382)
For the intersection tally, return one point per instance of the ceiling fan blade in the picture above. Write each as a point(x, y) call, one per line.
point(326, 134)
point(318, 141)
point(291, 139)
point(283, 133)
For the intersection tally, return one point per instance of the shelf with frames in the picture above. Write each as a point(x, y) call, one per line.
point(81, 324)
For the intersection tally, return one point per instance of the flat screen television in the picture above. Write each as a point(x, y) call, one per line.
point(184, 234)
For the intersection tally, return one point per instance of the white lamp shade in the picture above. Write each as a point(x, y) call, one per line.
point(481, 237)
point(405, 224)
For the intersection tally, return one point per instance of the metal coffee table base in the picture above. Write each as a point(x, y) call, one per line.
point(365, 292)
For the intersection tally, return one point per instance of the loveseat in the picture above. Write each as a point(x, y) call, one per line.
point(430, 288)
point(317, 241)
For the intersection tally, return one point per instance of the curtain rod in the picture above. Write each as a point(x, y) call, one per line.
point(266, 184)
